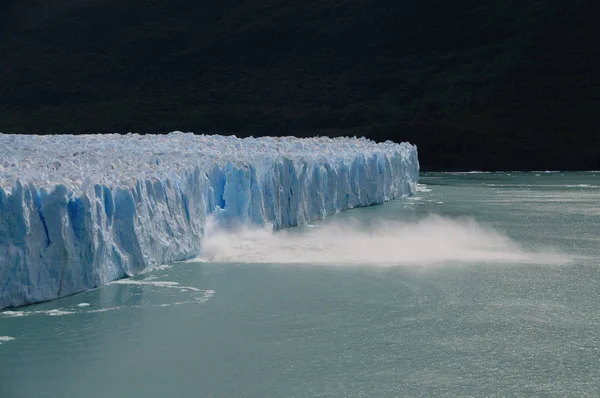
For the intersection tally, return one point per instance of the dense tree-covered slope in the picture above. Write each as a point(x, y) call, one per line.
point(476, 84)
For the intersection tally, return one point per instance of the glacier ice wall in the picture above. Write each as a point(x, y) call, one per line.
point(80, 211)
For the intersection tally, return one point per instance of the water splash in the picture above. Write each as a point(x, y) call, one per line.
point(433, 240)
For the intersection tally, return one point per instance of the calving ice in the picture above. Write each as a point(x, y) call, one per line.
point(77, 212)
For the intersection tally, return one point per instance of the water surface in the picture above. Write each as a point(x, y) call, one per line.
point(480, 285)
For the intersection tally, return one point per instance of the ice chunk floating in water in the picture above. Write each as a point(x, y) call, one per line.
point(77, 212)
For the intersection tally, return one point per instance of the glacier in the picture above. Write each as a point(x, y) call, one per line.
point(79, 211)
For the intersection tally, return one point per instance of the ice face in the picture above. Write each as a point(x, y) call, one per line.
point(80, 211)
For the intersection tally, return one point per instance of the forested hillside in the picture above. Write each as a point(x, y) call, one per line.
point(486, 84)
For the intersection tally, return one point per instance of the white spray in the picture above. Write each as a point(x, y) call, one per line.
point(433, 240)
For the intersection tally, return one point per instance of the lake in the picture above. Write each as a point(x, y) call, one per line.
point(482, 284)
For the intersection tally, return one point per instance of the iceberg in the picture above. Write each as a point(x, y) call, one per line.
point(79, 211)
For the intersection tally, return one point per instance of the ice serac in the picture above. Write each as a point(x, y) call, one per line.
point(80, 211)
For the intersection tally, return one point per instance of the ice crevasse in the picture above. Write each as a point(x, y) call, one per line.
point(80, 211)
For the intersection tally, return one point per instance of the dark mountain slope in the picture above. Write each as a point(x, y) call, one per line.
point(476, 84)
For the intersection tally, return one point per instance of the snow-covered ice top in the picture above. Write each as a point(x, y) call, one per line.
point(123, 160)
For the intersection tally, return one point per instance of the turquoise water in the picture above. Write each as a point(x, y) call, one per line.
point(480, 285)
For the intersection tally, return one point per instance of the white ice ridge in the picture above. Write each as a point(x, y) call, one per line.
point(80, 211)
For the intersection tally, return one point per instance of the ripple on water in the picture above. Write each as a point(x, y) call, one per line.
point(189, 295)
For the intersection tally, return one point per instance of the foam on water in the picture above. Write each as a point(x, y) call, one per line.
point(189, 295)
point(167, 284)
point(5, 339)
point(53, 312)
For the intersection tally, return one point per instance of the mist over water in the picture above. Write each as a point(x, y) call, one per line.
point(432, 240)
